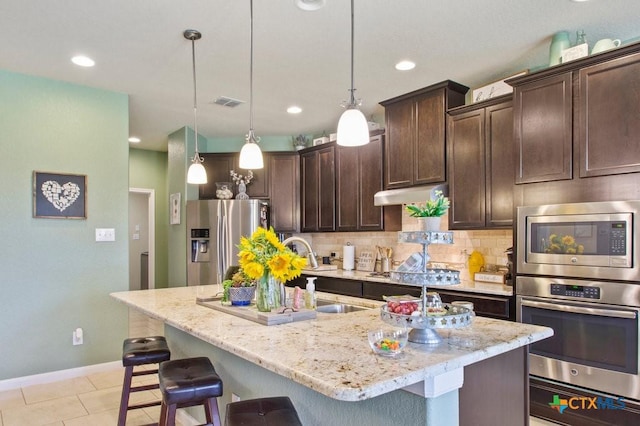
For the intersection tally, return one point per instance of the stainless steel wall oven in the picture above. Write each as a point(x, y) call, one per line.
point(578, 272)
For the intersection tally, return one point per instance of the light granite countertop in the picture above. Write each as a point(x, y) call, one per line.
point(468, 286)
point(331, 354)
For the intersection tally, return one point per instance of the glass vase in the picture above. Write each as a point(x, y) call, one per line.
point(242, 192)
point(268, 293)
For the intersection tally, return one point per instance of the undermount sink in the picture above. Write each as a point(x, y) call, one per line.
point(330, 307)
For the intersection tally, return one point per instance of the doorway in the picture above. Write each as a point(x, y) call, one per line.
point(141, 237)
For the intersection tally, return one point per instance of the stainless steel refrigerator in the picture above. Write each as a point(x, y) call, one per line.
point(214, 228)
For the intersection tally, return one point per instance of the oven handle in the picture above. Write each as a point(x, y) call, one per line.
point(580, 310)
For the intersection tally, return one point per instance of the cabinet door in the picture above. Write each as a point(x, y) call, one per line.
point(370, 164)
point(218, 167)
point(259, 185)
point(309, 194)
point(285, 191)
point(499, 165)
point(543, 129)
point(399, 149)
point(326, 189)
point(429, 148)
point(347, 182)
point(467, 170)
point(609, 113)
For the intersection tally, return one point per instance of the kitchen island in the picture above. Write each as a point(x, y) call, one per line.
point(326, 367)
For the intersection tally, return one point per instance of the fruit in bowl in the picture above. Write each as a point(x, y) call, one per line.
point(388, 342)
point(403, 305)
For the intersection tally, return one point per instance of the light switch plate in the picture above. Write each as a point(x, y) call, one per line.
point(105, 234)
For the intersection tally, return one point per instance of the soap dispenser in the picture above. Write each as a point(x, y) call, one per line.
point(310, 294)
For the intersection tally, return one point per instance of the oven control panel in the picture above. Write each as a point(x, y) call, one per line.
point(570, 290)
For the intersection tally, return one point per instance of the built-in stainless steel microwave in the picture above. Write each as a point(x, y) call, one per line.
point(592, 240)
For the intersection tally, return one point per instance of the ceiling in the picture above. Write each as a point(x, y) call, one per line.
point(300, 57)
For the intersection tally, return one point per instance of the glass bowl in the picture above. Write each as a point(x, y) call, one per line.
point(388, 342)
point(224, 190)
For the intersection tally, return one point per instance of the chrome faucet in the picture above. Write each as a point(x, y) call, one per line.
point(310, 255)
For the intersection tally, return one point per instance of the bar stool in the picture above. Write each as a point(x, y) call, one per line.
point(273, 411)
point(136, 352)
point(186, 383)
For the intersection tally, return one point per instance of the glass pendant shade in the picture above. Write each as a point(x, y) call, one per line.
point(251, 156)
point(353, 129)
point(196, 174)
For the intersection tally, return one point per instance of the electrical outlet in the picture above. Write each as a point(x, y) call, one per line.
point(234, 397)
point(78, 338)
point(105, 234)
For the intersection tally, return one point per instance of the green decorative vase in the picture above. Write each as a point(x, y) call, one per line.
point(268, 293)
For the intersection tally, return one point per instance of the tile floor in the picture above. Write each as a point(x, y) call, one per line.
point(91, 400)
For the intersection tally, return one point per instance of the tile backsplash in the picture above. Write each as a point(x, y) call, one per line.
point(490, 243)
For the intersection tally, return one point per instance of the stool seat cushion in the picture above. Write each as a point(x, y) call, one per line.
point(274, 411)
point(145, 350)
point(188, 381)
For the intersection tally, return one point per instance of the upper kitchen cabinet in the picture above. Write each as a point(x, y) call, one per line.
point(359, 175)
point(581, 116)
point(415, 149)
point(609, 117)
point(543, 129)
point(480, 161)
point(317, 174)
point(285, 191)
point(218, 166)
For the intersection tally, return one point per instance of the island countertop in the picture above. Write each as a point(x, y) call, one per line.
point(331, 354)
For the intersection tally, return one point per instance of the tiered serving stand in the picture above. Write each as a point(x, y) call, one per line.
point(424, 325)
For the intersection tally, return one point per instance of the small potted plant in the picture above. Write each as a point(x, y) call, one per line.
point(299, 142)
point(239, 290)
point(432, 211)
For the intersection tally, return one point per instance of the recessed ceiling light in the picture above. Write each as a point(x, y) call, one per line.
point(134, 139)
point(405, 65)
point(83, 61)
point(294, 110)
point(579, 1)
point(309, 5)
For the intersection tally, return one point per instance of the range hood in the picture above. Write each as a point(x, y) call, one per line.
point(415, 194)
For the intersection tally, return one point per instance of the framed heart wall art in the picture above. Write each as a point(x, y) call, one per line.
point(59, 196)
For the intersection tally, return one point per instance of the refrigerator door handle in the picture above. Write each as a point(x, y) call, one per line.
point(224, 243)
point(220, 245)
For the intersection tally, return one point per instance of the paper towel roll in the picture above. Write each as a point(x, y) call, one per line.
point(348, 257)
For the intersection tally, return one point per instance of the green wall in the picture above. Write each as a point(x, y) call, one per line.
point(148, 170)
point(54, 276)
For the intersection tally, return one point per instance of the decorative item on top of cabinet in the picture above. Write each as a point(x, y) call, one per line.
point(480, 163)
point(415, 149)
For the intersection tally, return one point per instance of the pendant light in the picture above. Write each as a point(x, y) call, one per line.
point(250, 154)
point(353, 129)
point(196, 173)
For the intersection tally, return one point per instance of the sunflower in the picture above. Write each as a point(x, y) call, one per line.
point(263, 253)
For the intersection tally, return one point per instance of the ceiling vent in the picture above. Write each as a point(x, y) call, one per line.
point(227, 102)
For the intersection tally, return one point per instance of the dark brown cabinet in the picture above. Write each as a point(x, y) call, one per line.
point(219, 166)
point(575, 130)
point(317, 204)
point(481, 179)
point(278, 181)
point(359, 175)
point(284, 178)
point(609, 117)
point(543, 129)
point(415, 148)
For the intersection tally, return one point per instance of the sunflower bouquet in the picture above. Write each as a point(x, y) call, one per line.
point(264, 258)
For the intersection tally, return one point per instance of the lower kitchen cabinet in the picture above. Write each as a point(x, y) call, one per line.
point(330, 285)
